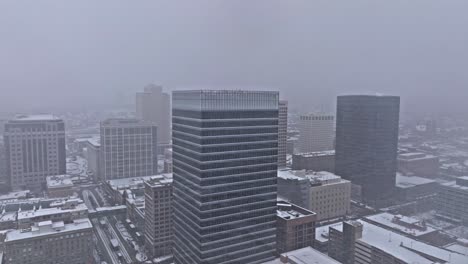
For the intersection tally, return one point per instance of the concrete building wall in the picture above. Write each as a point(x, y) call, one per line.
point(315, 161)
point(282, 132)
point(128, 149)
point(331, 200)
point(35, 149)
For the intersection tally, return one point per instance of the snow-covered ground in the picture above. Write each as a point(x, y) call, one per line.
point(77, 166)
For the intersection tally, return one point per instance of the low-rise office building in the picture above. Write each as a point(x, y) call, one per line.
point(50, 242)
point(295, 227)
point(452, 200)
point(420, 164)
point(59, 186)
point(366, 243)
point(324, 193)
point(315, 161)
point(411, 188)
point(66, 211)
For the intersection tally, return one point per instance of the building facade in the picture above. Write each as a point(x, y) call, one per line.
point(225, 155)
point(315, 161)
point(93, 156)
point(35, 149)
point(153, 105)
point(324, 193)
point(158, 216)
point(419, 164)
point(282, 132)
point(128, 149)
point(295, 228)
point(316, 132)
point(50, 242)
point(367, 143)
point(452, 199)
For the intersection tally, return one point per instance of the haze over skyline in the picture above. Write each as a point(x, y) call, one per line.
point(88, 53)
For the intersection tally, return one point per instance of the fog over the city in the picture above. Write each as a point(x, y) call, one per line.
point(90, 53)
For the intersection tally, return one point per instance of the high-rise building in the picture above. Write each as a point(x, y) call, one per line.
point(282, 133)
point(225, 155)
point(158, 216)
point(50, 242)
point(367, 143)
point(93, 156)
point(153, 105)
point(128, 149)
point(316, 132)
point(35, 149)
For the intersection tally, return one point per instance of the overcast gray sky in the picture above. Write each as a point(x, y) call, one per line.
point(86, 52)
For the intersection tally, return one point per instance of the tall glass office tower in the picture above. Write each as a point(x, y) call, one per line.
point(225, 147)
point(367, 143)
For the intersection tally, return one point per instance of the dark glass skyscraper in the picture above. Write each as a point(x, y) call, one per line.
point(225, 146)
point(367, 142)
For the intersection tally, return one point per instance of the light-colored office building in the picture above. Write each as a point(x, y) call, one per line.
point(282, 132)
point(50, 242)
point(93, 156)
point(153, 105)
point(128, 149)
point(35, 149)
point(158, 216)
point(452, 199)
point(317, 132)
point(324, 193)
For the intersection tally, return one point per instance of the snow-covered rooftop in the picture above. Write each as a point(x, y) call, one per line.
point(46, 228)
point(127, 183)
point(404, 224)
point(14, 195)
point(306, 255)
point(59, 181)
point(411, 181)
point(322, 177)
point(50, 211)
point(39, 117)
point(403, 247)
point(415, 156)
point(317, 154)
